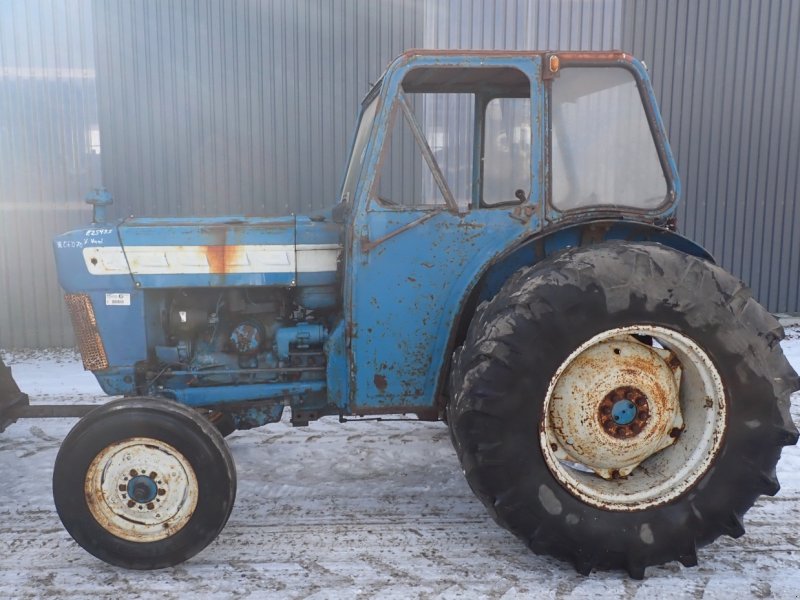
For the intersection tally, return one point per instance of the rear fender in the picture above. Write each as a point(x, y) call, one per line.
point(539, 247)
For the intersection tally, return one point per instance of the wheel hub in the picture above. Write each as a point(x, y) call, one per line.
point(615, 405)
point(141, 488)
point(624, 412)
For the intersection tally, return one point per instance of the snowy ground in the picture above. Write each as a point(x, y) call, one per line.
point(353, 510)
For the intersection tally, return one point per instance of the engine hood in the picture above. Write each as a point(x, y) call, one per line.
point(203, 252)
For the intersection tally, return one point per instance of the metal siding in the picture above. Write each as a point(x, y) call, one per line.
point(523, 25)
point(725, 73)
point(213, 108)
point(47, 111)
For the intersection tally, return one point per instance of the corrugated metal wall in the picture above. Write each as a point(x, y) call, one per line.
point(48, 158)
point(726, 74)
point(211, 107)
point(523, 25)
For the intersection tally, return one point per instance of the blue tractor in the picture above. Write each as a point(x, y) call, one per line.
point(502, 257)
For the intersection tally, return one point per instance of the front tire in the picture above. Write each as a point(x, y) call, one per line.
point(144, 483)
point(531, 456)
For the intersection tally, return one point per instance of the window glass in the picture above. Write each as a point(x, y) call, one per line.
point(357, 157)
point(446, 123)
point(507, 150)
point(602, 150)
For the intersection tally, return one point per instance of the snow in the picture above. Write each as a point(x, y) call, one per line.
point(372, 509)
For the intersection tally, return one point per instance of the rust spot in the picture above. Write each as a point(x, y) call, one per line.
point(222, 258)
point(673, 363)
point(675, 432)
point(380, 382)
point(216, 258)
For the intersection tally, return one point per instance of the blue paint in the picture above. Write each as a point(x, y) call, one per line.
point(338, 374)
point(401, 325)
point(391, 304)
point(117, 381)
point(315, 297)
point(142, 489)
point(623, 412)
point(302, 336)
point(225, 394)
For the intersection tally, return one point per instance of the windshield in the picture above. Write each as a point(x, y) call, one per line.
point(359, 146)
point(603, 152)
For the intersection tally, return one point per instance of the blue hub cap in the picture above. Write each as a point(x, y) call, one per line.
point(142, 489)
point(623, 412)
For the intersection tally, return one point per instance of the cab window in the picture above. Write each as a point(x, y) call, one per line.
point(459, 138)
point(602, 149)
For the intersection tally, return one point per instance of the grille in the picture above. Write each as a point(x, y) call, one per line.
point(84, 325)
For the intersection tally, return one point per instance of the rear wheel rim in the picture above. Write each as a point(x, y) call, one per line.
point(627, 426)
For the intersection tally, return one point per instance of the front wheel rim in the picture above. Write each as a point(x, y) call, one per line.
point(678, 433)
point(141, 489)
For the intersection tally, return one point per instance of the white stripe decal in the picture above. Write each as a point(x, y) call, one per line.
point(193, 260)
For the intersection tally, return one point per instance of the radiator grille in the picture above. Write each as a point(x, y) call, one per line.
point(84, 324)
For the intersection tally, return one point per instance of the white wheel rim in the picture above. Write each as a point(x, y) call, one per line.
point(141, 489)
point(676, 439)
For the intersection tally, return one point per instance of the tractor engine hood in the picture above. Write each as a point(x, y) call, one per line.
point(202, 252)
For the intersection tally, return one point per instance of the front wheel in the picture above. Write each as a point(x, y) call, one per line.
point(144, 483)
point(621, 404)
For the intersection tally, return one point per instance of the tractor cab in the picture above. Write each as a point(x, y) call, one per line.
point(550, 136)
point(467, 165)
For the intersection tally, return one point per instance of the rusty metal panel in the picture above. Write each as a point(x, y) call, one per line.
point(49, 158)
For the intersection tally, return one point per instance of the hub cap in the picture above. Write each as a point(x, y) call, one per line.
point(141, 489)
point(614, 430)
point(624, 412)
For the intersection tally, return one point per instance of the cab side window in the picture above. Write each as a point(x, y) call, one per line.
point(462, 144)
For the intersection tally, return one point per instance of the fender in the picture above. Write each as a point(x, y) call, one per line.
point(535, 249)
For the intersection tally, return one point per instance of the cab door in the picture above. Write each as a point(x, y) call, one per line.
point(453, 180)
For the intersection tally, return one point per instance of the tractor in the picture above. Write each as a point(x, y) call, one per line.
point(502, 256)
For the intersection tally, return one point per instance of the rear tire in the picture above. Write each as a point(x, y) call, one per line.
point(144, 483)
point(516, 349)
